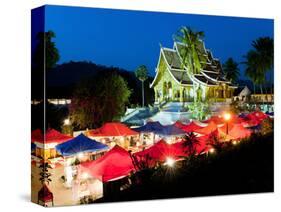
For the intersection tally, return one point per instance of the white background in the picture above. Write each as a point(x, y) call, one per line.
point(15, 103)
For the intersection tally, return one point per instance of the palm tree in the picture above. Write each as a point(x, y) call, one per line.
point(191, 142)
point(253, 69)
point(231, 70)
point(191, 53)
point(142, 74)
point(265, 49)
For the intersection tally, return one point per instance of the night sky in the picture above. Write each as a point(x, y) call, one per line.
point(127, 39)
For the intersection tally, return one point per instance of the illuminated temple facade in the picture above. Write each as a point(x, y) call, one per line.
point(173, 82)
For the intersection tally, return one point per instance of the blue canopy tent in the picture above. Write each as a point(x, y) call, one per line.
point(33, 146)
point(153, 127)
point(79, 144)
point(170, 130)
point(270, 113)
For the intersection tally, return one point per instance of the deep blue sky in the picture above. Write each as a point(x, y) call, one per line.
point(127, 39)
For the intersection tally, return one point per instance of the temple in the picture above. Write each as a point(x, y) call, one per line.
point(173, 81)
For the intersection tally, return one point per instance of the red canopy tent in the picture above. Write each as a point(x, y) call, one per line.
point(179, 124)
point(112, 129)
point(51, 136)
point(239, 132)
point(235, 132)
point(252, 120)
point(36, 135)
point(192, 127)
point(255, 118)
point(180, 149)
point(115, 164)
point(159, 152)
point(208, 129)
point(259, 114)
point(223, 129)
point(216, 119)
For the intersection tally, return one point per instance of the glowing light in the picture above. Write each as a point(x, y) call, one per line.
point(212, 150)
point(80, 155)
point(234, 142)
point(170, 161)
point(227, 116)
point(66, 121)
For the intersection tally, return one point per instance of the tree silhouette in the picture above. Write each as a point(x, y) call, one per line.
point(142, 75)
point(46, 54)
point(231, 70)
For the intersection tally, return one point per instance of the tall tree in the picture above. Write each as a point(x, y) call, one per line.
point(253, 70)
point(46, 55)
point(191, 52)
point(231, 70)
point(99, 99)
point(142, 75)
point(265, 48)
point(259, 61)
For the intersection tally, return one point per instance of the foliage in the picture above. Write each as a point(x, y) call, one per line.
point(231, 70)
point(67, 129)
point(265, 48)
point(191, 142)
point(215, 142)
point(253, 67)
point(141, 73)
point(266, 126)
point(243, 168)
point(259, 60)
point(44, 174)
point(191, 52)
point(199, 110)
point(46, 54)
point(99, 99)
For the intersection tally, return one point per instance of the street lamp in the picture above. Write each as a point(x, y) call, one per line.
point(226, 117)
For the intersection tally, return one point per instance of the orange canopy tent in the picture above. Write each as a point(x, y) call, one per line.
point(115, 164)
point(112, 129)
point(51, 136)
point(208, 129)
